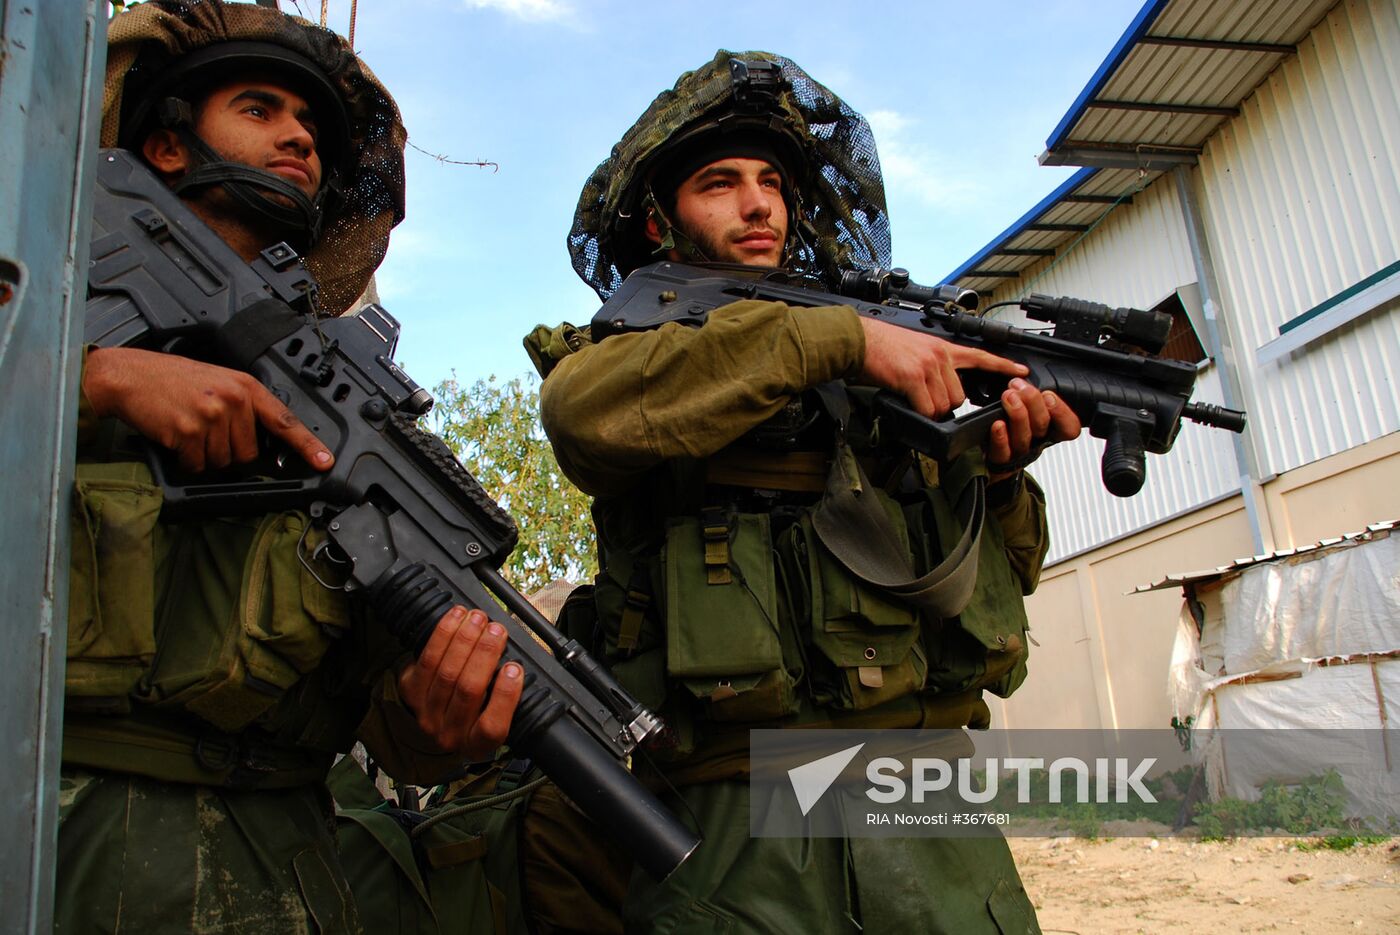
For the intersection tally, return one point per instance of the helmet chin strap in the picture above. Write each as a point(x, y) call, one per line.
point(248, 186)
point(672, 237)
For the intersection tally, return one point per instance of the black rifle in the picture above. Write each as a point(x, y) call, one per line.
point(411, 528)
point(1134, 402)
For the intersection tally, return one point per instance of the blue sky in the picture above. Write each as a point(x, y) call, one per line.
point(961, 97)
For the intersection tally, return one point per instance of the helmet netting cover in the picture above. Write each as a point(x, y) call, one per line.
point(843, 195)
point(355, 233)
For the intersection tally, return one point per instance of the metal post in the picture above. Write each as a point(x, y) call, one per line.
point(51, 59)
point(1222, 350)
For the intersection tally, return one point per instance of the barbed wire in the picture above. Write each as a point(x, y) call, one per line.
point(482, 163)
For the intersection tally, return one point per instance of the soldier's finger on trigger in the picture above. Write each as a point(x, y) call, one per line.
point(956, 395)
point(284, 424)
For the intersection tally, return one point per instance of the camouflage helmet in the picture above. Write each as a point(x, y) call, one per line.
point(832, 180)
point(177, 47)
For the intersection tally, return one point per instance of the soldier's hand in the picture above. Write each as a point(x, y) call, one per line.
point(923, 369)
point(449, 687)
point(207, 415)
point(1033, 419)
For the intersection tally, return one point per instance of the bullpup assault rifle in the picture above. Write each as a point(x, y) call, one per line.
point(412, 530)
point(1132, 401)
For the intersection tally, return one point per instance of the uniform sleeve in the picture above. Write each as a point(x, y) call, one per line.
point(617, 408)
point(1021, 514)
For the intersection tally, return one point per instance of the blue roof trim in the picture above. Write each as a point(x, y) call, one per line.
point(1069, 185)
point(1145, 18)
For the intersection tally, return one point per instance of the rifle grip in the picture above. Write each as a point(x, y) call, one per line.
point(1124, 464)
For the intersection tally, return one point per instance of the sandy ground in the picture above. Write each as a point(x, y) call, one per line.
point(1167, 884)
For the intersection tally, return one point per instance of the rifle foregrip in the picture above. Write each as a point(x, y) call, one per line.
point(411, 601)
point(1124, 463)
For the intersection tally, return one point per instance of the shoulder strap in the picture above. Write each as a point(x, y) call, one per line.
point(853, 525)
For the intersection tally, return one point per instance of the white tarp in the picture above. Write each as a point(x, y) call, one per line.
point(1307, 641)
point(1332, 602)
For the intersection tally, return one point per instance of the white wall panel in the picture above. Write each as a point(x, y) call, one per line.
point(1137, 256)
point(1302, 200)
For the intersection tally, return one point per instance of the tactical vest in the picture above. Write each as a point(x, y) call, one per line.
point(732, 593)
point(204, 651)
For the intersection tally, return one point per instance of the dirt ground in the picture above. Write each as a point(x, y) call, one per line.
point(1171, 884)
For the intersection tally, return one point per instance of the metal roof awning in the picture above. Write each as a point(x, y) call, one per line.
point(1182, 68)
point(1061, 217)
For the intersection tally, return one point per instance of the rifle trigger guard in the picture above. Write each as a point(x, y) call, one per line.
point(322, 551)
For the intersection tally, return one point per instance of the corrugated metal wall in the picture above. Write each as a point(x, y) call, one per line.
point(1301, 198)
point(1137, 255)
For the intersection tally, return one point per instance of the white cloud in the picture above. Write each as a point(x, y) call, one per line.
point(916, 169)
point(886, 121)
point(532, 11)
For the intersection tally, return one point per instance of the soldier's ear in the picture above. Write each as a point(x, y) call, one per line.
point(165, 153)
point(652, 229)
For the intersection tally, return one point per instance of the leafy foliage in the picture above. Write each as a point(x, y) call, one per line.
point(494, 428)
point(1306, 808)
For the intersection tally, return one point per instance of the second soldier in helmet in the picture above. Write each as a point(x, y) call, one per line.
point(716, 603)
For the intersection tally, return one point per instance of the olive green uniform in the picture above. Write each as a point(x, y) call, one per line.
point(716, 605)
point(210, 681)
point(210, 677)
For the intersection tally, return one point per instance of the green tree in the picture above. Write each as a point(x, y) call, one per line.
point(494, 428)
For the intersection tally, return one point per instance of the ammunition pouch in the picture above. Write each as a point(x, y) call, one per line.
point(111, 584)
point(749, 617)
point(985, 645)
point(428, 871)
point(216, 618)
point(723, 626)
point(867, 643)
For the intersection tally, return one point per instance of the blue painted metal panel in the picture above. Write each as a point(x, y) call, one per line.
point(1136, 30)
point(51, 58)
point(1045, 204)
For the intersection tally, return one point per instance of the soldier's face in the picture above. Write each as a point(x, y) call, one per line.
point(257, 123)
point(733, 210)
point(264, 125)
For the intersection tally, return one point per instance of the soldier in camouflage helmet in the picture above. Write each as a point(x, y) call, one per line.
point(211, 678)
point(709, 451)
